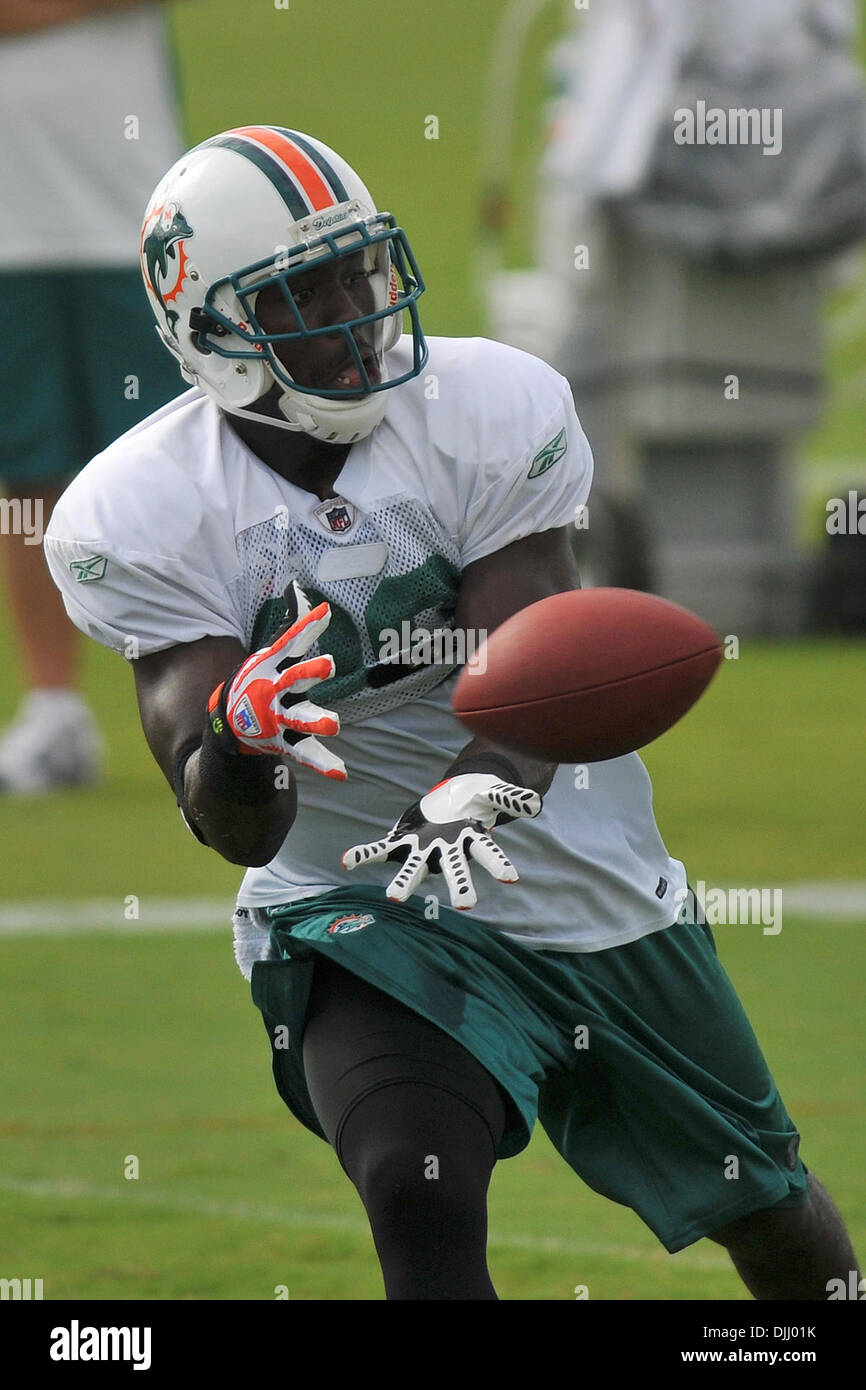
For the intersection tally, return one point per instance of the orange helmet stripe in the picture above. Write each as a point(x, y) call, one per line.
point(303, 168)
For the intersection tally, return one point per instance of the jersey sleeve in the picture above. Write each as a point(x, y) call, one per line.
point(137, 603)
point(538, 468)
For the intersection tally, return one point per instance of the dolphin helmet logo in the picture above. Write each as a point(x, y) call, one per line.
point(163, 257)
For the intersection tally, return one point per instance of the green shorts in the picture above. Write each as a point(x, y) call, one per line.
point(82, 365)
point(638, 1060)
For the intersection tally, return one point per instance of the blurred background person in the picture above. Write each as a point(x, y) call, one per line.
point(89, 116)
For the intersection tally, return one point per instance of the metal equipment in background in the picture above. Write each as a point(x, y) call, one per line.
point(679, 281)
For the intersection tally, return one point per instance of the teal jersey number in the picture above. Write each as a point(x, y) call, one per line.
point(435, 584)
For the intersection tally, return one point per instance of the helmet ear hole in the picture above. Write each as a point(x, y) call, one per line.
point(201, 323)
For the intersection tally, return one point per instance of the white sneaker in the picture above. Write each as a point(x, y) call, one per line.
point(53, 742)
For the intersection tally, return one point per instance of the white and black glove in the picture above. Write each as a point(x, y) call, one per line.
point(444, 830)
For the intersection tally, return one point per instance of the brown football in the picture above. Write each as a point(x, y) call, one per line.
point(587, 675)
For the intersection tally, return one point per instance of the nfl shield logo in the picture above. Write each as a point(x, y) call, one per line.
point(336, 514)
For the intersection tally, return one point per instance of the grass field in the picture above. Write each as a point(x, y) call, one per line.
point(118, 1045)
point(146, 1044)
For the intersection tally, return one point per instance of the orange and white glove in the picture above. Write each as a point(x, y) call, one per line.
point(258, 709)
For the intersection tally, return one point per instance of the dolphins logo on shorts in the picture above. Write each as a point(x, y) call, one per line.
point(353, 921)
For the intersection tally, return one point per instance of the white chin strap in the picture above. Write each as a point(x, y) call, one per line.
point(334, 422)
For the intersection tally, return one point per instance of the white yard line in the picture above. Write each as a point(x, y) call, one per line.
point(833, 901)
point(134, 1195)
point(51, 916)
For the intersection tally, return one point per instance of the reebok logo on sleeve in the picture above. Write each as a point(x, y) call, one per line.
point(549, 455)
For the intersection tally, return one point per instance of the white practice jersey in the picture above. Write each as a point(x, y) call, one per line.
point(90, 124)
point(178, 532)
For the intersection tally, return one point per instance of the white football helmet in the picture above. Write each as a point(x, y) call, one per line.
point(251, 208)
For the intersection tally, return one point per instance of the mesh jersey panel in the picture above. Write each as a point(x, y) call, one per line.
point(418, 584)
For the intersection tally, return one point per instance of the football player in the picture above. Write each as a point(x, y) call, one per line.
point(73, 174)
point(445, 939)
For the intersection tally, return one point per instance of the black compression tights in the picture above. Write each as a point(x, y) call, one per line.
point(416, 1122)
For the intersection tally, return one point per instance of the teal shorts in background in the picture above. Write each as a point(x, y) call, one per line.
point(80, 363)
point(638, 1060)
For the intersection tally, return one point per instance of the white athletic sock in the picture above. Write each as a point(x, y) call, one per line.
point(56, 703)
